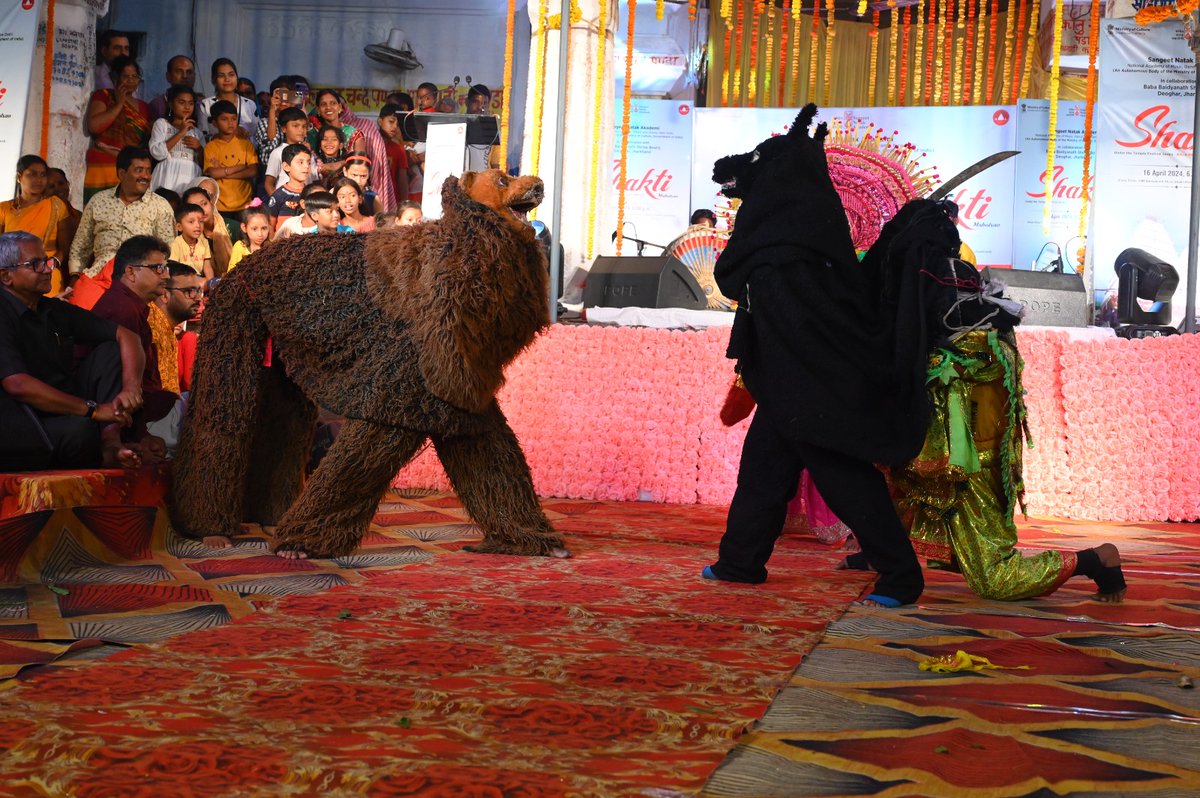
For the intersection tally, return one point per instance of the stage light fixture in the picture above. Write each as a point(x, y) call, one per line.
point(1141, 275)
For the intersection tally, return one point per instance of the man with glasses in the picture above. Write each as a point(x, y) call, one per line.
point(140, 274)
point(181, 304)
point(54, 413)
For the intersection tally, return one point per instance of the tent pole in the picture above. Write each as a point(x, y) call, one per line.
point(1189, 319)
point(564, 33)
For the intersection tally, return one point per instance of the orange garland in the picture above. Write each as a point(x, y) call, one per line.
point(980, 36)
point(893, 55)
point(796, 25)
point(830, 20)
point(598, 116)
point(623, 172)
point(813, 53)
point(906, 16)
point(692, 10)
point(1017, 52)
point(658, 8)
point(752, 81)
point(945, 88)
point(1153, 14)
point(783, 48)
point(873, 70)
point(739, 32)
point(769, 55)
point(968, 73)
point(1088, 117)
point(1027, 63)
point(930, 35)
point(1052, 132)
point(538, 91)
point(510, 26)
point(727, 78)
point(993, 44)
point(918, 51)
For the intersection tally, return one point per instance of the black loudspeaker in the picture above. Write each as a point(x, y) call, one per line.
point(1051, 299)
point(661, 282)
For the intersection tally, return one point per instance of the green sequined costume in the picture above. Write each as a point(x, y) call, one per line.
point(958, 495)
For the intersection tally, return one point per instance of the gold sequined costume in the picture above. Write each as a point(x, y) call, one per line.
point(958, 495)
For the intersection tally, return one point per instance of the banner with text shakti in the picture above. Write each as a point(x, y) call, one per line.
point(949, 140)
point(656, 173)
point(1143, 147)
point(1033, 246)
point(18, 28)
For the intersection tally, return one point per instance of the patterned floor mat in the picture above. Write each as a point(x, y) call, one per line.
point(1100, 711)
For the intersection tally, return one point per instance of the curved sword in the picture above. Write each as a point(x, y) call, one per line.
point(979, 166)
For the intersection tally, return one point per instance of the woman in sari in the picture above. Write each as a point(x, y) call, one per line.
point(115, 119)
point(35, 210)
point(329, 112)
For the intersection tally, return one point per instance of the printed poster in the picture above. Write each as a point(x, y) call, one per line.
point(18, 35)
point(657, 194)
point(445, 149)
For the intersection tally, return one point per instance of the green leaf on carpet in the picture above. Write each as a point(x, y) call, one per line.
point(404, 723)
point(62, 591)
point(344, 614)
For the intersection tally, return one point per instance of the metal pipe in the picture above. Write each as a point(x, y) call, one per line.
point(1189, 319)
point(564, 34)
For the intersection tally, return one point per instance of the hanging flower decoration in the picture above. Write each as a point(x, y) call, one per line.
point(993, 45)
point(1089, 114)
point(906, 15)
point(597, 118)
point(727, 77)
point(692, 10)
point(752, 81)
point(658, 8)
point(930, 50)
point(893, 55)
point(830, 19)
point(739, 35)
point(862, 8)
point(873, 69)
point(1027, 62)
point(939, 60)
point(1010, 53)
point(769, 55)
point(918, 53)
point(968, 72)
point(1149, 15)
point(626, 100)
point(813, 53)
point(980, 43)
point(1052, 133)
point(784, 19)
point(510, 26)
point(796, 26)
point(538, 91)
point(726, 12)
point(554, 21)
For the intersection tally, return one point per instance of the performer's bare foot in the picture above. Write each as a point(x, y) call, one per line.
point(217, 542)
point(291, 554)
point(1111, 582)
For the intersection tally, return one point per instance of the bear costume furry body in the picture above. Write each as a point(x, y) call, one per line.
point(405, 332)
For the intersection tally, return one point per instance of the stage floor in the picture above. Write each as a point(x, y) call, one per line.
point(414, 669)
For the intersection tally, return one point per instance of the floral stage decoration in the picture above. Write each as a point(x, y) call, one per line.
point(1089, 117)
point(1052, 131)
point(634, 414)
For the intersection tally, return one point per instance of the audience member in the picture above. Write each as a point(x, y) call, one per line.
point(294, 123)
point(256, 231)
point(293, 225)
point(225, 83)
point(329, 110)
point(190, 246)
point(245, 87)
point(205, 193)
point(479, 99)
point(181, 71)
point(330, 154)
point(349, 195)
point(481, 156)
point(401, 99)
point(139, 278)
point(35, 210)
point(179, 305)
point(171, 197)
point(59, 185)
point(385, 220)
point(381, 181)
point(358, 169)
point(427, 95)
point(113, 44)
point(229, 159)
point(174, 142)
point(446, 105)
point(113, 216)
point(284, 94)
point(56, 412)
point(115, 119)
point(410, 213)
point(393, 143)
point(321, 206)
point(703, 217)
point(285, 202)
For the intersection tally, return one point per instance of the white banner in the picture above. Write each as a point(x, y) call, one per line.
point(657, 194)
point(18, 29)
point(71, 73)
point(950, 139)
point(1144, 148)
point(445, 147)
point(1034, 247)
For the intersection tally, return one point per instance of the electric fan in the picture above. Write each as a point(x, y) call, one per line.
point(698, 249)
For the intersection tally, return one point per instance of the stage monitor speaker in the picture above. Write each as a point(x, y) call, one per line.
point(1051, 299)
point(660, 282)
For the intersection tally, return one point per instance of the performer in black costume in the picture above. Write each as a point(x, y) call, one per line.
point(834, 353)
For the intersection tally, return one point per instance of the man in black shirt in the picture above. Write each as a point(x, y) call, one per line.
point(55, 413)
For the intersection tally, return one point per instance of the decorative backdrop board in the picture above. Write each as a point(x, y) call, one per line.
point(657, 171)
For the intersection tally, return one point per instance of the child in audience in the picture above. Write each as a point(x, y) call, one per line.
point(386, 219)
point(397, 156)
point(358, 169)
point(294, 123)
point(175, 144)
point(322, 207)
point(256, 230)
point(294, 225)
point(231, 161)
point(331, 153)
point(349, 199)
point(296, 161)
point(190, 246)
point(409, 213)
point(215, 230)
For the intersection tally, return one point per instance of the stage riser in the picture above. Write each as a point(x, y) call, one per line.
point(631, 413)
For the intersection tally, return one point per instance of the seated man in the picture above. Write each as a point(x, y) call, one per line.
point(180, 304)
point(139, 278)
point(55, 414)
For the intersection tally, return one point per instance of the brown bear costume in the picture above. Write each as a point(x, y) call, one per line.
point(405, 332)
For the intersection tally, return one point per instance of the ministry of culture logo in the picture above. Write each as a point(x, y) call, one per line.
point(3, 91)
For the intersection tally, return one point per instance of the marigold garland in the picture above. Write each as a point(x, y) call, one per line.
point(538, 89)
point(796, 27)
point(769, 55)
point(939, 60)
point(510, 26)
point(1154, 14)
point(597, 118)
point(658, 8)
point(1088, 117)
point(906, 15)
point(1010, 64)
point(692, 10)
point(968, 72)
point(873, 69)
point(893, 56)
point(980, 42)
point(1052, 133)
point(1030, 41)
point(625, 102)
point(727, 78)
point(726, 12)
point(993, 45)
point(1018, 54)
point(918, 54)
point(930, 50)
point(830, 19)
point(862, 8)
point(813, 53)
point(739, 35)
point(752, 80)
point(784, 18)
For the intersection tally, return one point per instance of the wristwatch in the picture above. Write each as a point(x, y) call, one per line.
point(91, 408)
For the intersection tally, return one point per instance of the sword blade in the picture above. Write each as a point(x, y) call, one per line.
point(981, 165)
